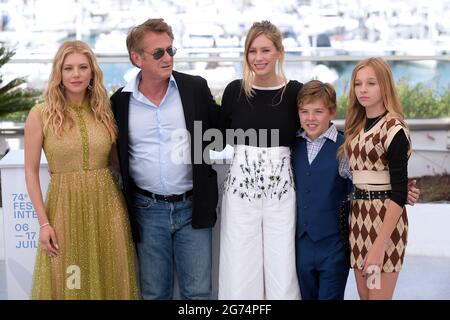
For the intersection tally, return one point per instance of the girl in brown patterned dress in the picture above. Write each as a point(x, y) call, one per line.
point(378, 146)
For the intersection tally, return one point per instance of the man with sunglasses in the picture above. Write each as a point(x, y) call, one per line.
point(172, 204)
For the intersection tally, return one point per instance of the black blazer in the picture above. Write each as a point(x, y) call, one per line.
point(198, 105)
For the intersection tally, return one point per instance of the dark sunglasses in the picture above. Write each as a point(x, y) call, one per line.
point(159, 52)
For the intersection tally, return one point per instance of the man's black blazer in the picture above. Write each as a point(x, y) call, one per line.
point(198, 105)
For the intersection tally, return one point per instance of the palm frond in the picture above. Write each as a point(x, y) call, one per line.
point(13, 98)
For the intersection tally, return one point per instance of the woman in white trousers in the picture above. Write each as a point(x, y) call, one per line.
point(257, 240)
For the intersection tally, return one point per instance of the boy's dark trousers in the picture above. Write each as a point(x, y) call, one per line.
point(322, 267)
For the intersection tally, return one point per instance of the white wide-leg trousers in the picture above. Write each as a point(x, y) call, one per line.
point(258, 220)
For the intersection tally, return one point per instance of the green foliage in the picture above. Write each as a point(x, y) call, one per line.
point(418, 101)
point(15, 102)
point(434, 188)
point(342, 103)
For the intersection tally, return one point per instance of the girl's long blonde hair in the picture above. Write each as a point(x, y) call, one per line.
point(274, 35)
point(355, 118)
point(56, 115)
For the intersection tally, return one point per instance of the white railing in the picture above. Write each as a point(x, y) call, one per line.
point(188, 55)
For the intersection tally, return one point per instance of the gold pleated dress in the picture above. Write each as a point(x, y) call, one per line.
point(87, 211)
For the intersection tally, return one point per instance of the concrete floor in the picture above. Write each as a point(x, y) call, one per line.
point(422, 278)
point(3, 294)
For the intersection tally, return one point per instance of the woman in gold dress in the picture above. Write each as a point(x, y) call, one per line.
point(85, 247)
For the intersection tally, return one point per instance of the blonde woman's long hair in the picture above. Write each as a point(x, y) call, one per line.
point(56, 115)
point(274, 35)
point(355, 118)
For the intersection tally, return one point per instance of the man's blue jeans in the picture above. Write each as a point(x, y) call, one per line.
point(169, 243)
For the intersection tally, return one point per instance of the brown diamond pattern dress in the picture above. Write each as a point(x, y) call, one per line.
point(369, 165)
